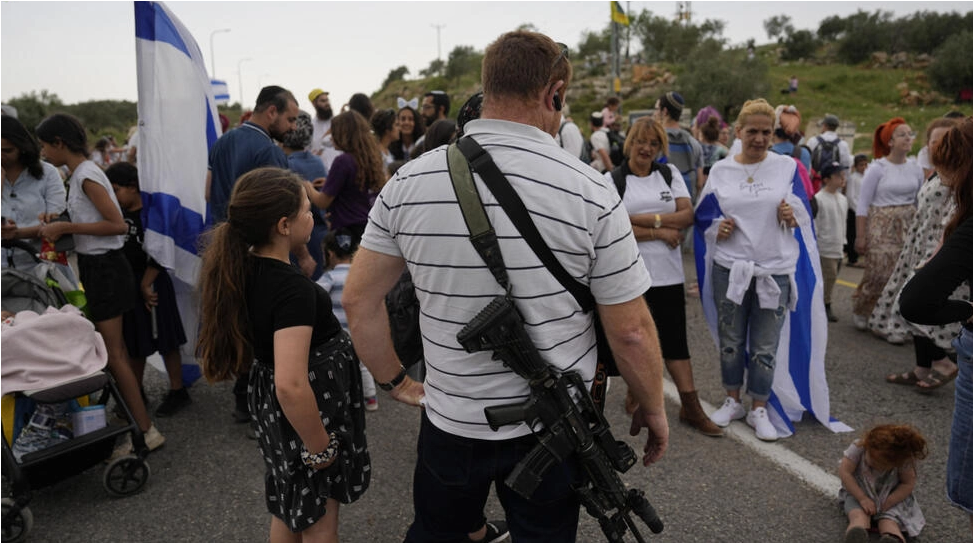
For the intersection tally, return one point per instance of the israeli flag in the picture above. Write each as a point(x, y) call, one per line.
point(178, 122)
point(221, 93)
point(799, 376)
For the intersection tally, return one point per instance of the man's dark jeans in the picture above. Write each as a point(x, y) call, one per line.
point(452, 480)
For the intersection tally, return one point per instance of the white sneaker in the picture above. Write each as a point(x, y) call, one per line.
point(758, 418)
point(895, 338)
point(730, 411)
point(153, 440)
point(860, 322)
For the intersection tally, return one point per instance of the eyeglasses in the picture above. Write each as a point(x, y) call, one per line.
point(562, 55)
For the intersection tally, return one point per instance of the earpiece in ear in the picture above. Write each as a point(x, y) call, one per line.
point(556, 102)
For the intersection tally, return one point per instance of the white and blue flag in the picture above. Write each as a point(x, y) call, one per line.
point(799, 376)
point(178, 122)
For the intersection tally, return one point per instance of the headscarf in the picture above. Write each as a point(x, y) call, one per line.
point(883, 135)
point(788, 119)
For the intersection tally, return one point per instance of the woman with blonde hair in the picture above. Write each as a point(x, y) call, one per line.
point(659, 211)
point(884, 212)
point(355, 177)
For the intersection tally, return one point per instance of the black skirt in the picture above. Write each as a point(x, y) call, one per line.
point(296, 493)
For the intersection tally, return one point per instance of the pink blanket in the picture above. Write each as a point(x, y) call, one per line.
point(47, 350)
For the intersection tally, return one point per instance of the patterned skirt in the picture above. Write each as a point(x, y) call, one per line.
point(296, 493)
point(885, 233)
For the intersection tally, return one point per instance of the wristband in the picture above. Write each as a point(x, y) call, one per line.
point(330, 452)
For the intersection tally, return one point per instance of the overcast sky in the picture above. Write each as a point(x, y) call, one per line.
point(86, 50)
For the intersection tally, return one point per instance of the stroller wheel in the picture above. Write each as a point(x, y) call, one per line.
point(17, 521)
point(126, 475)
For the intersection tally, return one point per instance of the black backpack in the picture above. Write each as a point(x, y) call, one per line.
point(620, 172)
point(825, 153)
point(616, 143)
point(403, 308)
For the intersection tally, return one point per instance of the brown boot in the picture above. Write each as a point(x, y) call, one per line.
point(693, 415)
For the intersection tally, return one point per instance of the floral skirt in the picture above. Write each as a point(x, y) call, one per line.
point(885, 234)
point(296, 493)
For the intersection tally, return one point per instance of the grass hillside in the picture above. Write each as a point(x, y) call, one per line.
point(865, 95)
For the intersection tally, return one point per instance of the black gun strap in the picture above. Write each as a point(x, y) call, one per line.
point(512, 204)
point(482, 234)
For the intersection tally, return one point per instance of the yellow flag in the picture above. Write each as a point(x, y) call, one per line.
point(619, 16)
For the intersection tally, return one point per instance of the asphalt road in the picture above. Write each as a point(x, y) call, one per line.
point(206, 483)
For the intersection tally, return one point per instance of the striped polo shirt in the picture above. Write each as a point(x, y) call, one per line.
point(580, 217)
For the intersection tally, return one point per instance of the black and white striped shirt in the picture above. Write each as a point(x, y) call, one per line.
point(579, 215)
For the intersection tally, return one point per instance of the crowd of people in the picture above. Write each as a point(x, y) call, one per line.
point(315, 217)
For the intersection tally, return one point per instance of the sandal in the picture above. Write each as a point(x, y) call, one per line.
point(857, 534)
point(907, 378)
point(936, 380)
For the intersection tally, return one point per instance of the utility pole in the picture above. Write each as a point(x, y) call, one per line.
point(439, 55)
point(243, 107)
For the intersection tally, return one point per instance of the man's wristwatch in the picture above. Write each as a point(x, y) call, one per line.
point(658, 223)
point(395, 381)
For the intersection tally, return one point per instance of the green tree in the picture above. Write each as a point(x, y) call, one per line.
point(593, 43)
point(463, 60)
point(800, 44)
point(396, 74)
point(778, 27)
point(664, 40)
point(102, 116)
point(33, 107)
point(951, 69)
point(434, 69)
point(722, 79)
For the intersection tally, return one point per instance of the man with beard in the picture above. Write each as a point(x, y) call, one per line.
point(436, 106)
point(321, 143)
point(245, 148)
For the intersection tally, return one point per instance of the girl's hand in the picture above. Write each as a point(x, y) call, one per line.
point(868, 506)
point(861, 245)
point(9, 229)
point(53, 231)
point(47, 217)
point(149, 296)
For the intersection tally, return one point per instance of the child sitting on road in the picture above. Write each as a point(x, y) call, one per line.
point(878, 473)
point(830, 225)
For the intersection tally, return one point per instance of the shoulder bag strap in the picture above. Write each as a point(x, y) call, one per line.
point(512, 204)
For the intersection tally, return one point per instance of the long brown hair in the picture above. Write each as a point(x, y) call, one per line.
point(260, 198)
point(351, 134)
point(952, 159)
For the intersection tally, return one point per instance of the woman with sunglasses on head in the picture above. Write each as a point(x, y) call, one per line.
point(886, 206)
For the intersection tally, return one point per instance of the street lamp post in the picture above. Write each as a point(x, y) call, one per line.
point(439, 56)
point(240, 78)
point(212, 54)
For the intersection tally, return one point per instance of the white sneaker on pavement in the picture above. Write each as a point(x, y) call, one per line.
point(860, 322)
point(730, 411)
point(758, 418)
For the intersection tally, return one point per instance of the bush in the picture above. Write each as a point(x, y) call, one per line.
point(723, 79)
point(951, 69)
point(800, 44)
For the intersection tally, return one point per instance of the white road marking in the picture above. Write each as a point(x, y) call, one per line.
point(798, 466)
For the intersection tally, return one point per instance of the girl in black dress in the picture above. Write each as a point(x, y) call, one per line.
point(261, 313)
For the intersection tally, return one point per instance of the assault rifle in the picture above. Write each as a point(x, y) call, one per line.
point(572, 425)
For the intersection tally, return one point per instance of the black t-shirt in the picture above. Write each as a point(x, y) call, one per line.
point(925, 298)
point(280, 296)
point(132, 249)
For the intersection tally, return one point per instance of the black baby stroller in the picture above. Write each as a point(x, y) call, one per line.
point(55, 375)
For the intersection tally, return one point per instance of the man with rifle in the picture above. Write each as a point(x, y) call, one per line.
point(542, 334)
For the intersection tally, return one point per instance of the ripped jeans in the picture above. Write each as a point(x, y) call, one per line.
point(735, 322)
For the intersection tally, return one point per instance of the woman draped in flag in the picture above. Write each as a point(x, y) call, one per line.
point(761, 283)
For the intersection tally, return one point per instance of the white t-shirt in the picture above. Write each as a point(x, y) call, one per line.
point(757, 235)
point(830, 223)
point(650, 194)
point(82, 210)
point(600, 140)
point(570, 137)
point(578, 214)
point(887, 184)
